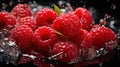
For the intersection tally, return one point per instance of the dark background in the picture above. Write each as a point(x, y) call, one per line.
point(101, 6)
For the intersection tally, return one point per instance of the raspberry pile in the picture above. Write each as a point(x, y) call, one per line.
point(70, 39)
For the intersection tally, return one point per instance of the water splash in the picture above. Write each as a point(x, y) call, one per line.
point(9, 51)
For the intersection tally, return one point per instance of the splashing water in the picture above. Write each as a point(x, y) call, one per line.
point(9, 51)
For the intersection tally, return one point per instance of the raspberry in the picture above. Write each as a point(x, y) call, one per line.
point(84, 16)
point(101, 35)
point(41, 63)
point(83, 39)
point(44, 37)
point(45, 17)
point(23, 60)
point(2, 14)
point(28, 21)
point(67, 51)
point(21, 10)
point(9, 20)
point(23, 36)
point(67, 24)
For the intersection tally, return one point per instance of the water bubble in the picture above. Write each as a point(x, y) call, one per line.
point(100, 52)
point(35, 6)
point(107, 16)
point(103, 22)
point(113, 6)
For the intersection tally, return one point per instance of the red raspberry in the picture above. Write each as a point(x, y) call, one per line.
point(21, 10)
point(2, 14)
point(83, 39)
point(67, 24)
point(24, 59)
point(45, 17)
point(44, 37)
point(41, 63)
point(101, 35)
point(23, 36)
point(9, 20)
point(66, 51)
point(84, 16)
point(28, 21)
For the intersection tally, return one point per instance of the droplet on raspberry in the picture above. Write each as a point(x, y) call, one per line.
point(67, 52)
point(88, 53)
point(110, 45)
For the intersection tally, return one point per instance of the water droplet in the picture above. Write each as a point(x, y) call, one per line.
point(103, 22)
point(20, 1)
point(113, 6)
point(54, 56)
point(101, 64)
point(4, 5)
point(30, 56)
point(11, 2)
point(107, 16)
point(100, 52)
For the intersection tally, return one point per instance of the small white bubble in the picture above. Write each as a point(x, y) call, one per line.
point(1, 50)
point(101, 64)
point(11, 43)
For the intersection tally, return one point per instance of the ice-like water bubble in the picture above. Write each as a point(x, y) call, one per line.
point(100, 52)
point(88, 53)
point(4, 33)
point(9, 51)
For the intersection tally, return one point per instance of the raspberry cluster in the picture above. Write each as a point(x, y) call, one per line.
point(67, 38)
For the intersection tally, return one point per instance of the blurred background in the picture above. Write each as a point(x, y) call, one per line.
point(100, 9)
